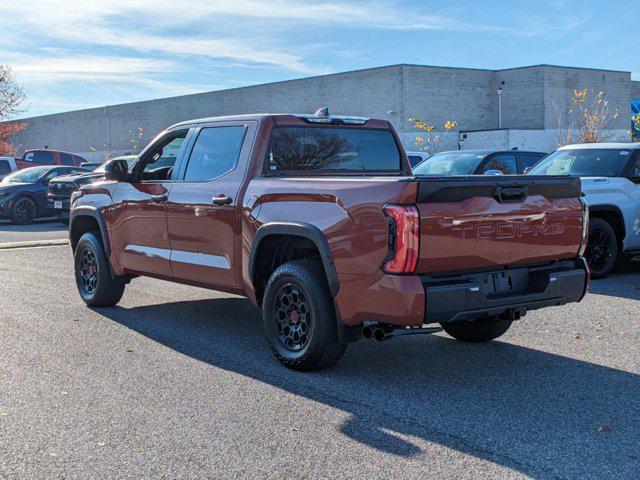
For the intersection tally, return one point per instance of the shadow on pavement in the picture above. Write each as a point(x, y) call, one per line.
point(541, 414)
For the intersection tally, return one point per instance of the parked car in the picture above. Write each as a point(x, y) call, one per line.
point(478, 162)
point(32, 158)
point(61, 188)
point(7, 165)
point(319, 221)
point(23, 194)
point(416, 157)
point(610, 175)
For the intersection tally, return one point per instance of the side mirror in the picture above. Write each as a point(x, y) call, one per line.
point(493, 172)
point(116, 170)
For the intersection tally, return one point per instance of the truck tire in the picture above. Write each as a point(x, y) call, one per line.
point(602, 248)
point(299, 317)
point(23, 212)
point(476, 331)
point(97, 286)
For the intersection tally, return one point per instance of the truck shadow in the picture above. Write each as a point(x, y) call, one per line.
point(541, 414)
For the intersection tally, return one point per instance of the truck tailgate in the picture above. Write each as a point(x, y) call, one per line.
point(488, 222)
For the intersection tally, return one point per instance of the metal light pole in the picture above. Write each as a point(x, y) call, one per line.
point(499, 108)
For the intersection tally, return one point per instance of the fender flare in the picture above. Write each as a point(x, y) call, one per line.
point(93, 212)
point(614, 209)
point(299, 229)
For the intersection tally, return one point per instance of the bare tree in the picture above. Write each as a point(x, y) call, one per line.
point(11, 94)
point(587, 119)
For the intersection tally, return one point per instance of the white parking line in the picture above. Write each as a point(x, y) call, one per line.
point(33, 244)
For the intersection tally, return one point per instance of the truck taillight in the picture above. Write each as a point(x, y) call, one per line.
point(585, 227)
point(404, 238)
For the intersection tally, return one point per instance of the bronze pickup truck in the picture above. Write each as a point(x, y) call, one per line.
point(319, 220)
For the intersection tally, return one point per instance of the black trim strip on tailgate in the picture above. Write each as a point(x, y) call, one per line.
point(457, 189)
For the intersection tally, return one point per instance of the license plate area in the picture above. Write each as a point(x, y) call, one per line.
point(498, 284)
point(57, 205)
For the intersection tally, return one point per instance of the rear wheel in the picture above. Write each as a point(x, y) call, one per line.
point(23, 211)
point(476, 331)
point(602, 248)
point(97, 286)
point(299, 317)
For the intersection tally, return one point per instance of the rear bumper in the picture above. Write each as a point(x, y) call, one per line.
point(507, 293)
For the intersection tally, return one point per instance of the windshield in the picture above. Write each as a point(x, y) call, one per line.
point(28, 175)
point(449, 163)
point(333, 149)
point(583, 163)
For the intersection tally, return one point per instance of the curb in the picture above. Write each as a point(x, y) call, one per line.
point(33, 244)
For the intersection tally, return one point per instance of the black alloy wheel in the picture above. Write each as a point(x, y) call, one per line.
point(292, 316)
point(602, 248)
point(24, 211)
point(88, 274)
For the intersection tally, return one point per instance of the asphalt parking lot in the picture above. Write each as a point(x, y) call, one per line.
point(177, 382)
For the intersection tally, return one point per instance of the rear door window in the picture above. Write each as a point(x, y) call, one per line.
point(332, 149)
point(66, 159)
point(528, 160)
point(215, 153)
point(505, 162)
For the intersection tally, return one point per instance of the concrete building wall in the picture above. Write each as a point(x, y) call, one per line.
point(396, 93)
point(522, 97)
point(559, 84)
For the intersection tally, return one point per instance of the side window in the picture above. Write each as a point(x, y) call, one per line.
point(635, 171)
point(414, 160)
point(215, 153)
point(56, 172)
point(160, 160)
point(528, 160)
point(42, 157)
point(66, 159)
point(5, 168)
point(505, 162)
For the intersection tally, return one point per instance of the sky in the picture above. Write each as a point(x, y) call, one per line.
point(74, 54)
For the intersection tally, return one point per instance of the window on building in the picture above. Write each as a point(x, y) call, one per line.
point(215, 153)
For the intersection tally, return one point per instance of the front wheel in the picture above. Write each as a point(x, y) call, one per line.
point(96, 284)
point(299, 317)
point(476, 331)
point(23, 212)
point(602, 248)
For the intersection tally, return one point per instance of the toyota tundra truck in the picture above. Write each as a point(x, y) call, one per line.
point(319, 221)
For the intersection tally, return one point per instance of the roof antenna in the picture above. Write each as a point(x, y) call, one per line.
point(322, 112)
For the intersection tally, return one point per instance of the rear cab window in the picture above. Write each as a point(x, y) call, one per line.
point(329, 149)
point(40, 157)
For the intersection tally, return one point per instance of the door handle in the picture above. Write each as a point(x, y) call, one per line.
point(221, 200)
point(158, 198)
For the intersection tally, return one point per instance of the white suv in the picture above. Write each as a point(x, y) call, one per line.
point(610, 174)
